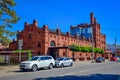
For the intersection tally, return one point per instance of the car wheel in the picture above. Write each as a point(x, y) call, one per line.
point(34, 68)
point(50, 66)
point(71, 64)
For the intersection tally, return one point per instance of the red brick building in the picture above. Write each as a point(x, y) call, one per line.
point(99, 38)
point(55, 43)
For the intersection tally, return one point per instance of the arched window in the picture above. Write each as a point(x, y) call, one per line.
point(52, 43)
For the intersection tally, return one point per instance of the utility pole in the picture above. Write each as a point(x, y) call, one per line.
point(92, 46)
point(115, 48)
point(20, 44)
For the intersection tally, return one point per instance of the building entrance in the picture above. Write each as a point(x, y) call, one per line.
point(54, 53)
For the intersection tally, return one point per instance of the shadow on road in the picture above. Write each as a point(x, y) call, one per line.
point(89, 77)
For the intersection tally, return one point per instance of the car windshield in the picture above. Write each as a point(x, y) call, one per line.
point(99, 58)
point(34, 58)
point(60, 59)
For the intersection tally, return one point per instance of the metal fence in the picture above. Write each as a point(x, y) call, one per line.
point(12, 58)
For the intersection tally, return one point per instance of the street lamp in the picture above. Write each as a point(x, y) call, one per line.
point(20, 44)
point(92, 45)
point(115, 49)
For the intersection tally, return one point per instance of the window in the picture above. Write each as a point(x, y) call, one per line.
point(47, 58)
point(39, 32)
point(67, 59)
point(63, 53)
point(52, 43)
point(51, 36)
point(42, 58)
point(30, 36)
point(39, 45)
point(39, 53)
point(33, 58)
point(80, 54)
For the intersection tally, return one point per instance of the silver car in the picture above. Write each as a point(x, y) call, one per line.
point(38, 62)
point(63, 61)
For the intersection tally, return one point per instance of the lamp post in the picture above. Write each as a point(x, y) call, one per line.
point(92, 46)
point(115, 49)
point(20, 44)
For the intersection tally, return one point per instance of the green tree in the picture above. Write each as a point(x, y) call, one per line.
point(85, 49)
point(76, 48)
point(8, 17)
point(98, 50)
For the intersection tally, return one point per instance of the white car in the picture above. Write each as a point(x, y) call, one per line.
point(38, 62)
point(63, 61)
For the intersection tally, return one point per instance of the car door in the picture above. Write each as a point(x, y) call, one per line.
point(47, 60)
point(41, 61)
point(66, 62)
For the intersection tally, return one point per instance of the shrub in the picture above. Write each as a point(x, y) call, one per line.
point(1, 60)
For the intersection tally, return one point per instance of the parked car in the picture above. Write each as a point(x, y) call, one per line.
point(38, 62)
point(118, 58)
point(113, 59)
point(100, 59)
point(63, 61)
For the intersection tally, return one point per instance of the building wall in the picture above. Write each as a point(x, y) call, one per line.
point(99, 38)
point(39, 40)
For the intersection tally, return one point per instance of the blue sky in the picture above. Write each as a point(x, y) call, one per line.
point(64, 13)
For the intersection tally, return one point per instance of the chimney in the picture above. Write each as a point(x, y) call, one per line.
point(68, 34)
point(25, 24)
point(35, 23)
point(91, 18)
point(58, 30)
point(94, 20)
point(45, 27)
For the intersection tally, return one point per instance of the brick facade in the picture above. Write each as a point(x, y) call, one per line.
point(53, 42)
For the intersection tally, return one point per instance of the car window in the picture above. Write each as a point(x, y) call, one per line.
point(42, 58)
point(47, 58)
point(67, 59)
point(60, 59)
point(34, 58)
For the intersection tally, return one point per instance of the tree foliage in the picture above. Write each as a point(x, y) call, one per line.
point(98, 50)
point(8, 17)
point(76, 48)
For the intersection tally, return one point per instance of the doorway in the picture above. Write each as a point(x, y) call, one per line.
point(54, 53)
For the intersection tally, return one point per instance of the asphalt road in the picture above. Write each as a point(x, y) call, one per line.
point(91, 71)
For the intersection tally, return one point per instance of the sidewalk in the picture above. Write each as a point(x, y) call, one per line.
point(8, 69)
